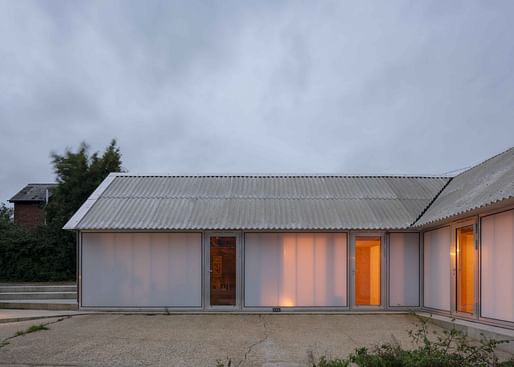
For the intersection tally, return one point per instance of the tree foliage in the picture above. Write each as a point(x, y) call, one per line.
point(5, 215)
point(78, 175)
point(48, 252)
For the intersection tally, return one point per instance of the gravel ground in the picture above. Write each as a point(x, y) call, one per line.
point(196, 340)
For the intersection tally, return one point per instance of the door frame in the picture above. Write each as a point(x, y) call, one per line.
point(453, 269)
point(207, 273)
point(383, 271)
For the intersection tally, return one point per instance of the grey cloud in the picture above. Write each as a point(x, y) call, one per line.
point(274, 86)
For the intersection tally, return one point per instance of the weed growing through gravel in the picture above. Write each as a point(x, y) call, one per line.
point(451, 348)
point(31, 329)
point(220, 363)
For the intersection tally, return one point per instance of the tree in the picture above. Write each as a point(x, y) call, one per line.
point(48, 252)
point(5, 215)
point(78, 175)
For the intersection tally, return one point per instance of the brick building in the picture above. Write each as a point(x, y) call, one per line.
point(29, 204)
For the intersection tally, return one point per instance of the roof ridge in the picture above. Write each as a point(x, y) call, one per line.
point(242, 197)
point(413, 224)
point(484, 161)
point(285, 175)
point(456, 199)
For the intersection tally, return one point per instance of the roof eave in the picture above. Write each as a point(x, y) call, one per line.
point(479, 210)
point(74, 221)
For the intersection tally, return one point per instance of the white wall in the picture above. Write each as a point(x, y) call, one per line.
point(404, 269)
point(295, 269)
point(498, 266)
point(436, 263)
point(141, 269)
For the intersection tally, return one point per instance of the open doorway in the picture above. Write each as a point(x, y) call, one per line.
point(368, 280)
point(465, 269)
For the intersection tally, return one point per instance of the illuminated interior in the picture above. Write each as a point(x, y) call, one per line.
point(295, 269)
point(306, 263)
point(223, 271)
point(465, 269)
point(367, 271)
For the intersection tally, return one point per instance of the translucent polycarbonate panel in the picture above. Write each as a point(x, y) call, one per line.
point(437, 276)
point(404, 269)
point(465, 269)
point(295, 269)
point(498, 266)
point(141, 269)
point(367, 271)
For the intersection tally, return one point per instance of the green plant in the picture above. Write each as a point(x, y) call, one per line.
point(47, 253)
point(324, 362)
point(220, 363)
point(31, 329)
point(451, 348)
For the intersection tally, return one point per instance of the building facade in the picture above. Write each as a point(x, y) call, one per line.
point(272, 243)
point(29, 204)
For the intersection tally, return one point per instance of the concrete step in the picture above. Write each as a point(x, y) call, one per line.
point(50, 304)
point(37, 295)
point(37, 288)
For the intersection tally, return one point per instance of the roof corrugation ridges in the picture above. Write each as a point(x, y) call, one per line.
point(487, 183)
point(289, 203)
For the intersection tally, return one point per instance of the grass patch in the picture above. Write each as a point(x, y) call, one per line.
point(32, 329)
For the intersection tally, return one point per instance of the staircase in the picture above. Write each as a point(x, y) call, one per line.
point(38, 296)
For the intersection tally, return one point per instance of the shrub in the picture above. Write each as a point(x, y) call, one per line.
point(47, 253)
point(42, 254)
point(451, 348)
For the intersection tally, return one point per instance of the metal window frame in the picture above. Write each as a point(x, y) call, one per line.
point(420, 272)
point(478, 217)
point(206, 276)
point(485, 319)
point(81, 307)
point(299, 309)
point(384, 296)
point(453, 269)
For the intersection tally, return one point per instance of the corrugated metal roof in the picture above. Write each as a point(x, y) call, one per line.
point(487, 183)
point(34, 192)
point(268, 202)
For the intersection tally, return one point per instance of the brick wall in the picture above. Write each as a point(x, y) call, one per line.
point(28, 215)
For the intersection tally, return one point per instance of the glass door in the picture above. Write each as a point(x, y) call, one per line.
point(367, 271)
point(222, 271)
point(465, 263)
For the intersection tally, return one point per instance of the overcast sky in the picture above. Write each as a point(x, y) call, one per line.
point(414, 87)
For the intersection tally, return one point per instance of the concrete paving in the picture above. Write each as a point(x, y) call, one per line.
point(197, 340)
point(8, 315)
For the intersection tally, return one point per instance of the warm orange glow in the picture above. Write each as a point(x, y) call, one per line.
point(367, 271)
point(286, 302)
point(308, 275)
point(465, 269)
point(288, 271)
